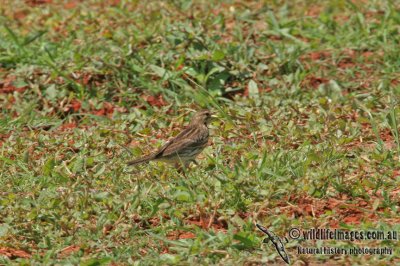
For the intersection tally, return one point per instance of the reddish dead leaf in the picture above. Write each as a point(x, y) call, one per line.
point(351, 53)
point(395, 82)
point(14, 253)
point(314, 10)
point(341, 19)
point(165, 250)
point(368, 54)
point(366, 125)
point(244, 215)
point(346, 63)
point(362, 203)
point(108, 109)
point(275, 38)
point(359, 3)
point(155, 221)
point(67, 126)
point(332, 204)
point(369, 138)
point(136, 219)
point(7, 86)
point(215, 12)
point(307, 206)
point(334, 224)
point(100, 112)
point(175, 235)
point(65, 252)
point(113, 2)
point(73, 106)
point(71, 4)
point(107, 229)
point(20, 14)
point(134, 143)
point(396, 173)
point(314, 82)
point(206, 223)
point(386, 135)
point(38, 2)
point(352, 116)
point(71, 142)
point(317, 55)
point(143, 251)
point(4, 137)
point(86, 78)
point(187, 235)
point(395, 193)
point(156, 101)
point(352, 219)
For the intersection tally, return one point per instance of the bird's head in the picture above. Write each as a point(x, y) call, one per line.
point(202, 117)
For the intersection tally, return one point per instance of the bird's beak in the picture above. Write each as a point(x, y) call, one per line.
point(213, 117)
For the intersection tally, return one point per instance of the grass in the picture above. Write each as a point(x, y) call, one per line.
point(307, 95)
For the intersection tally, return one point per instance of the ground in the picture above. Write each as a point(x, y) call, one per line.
point(307, 136)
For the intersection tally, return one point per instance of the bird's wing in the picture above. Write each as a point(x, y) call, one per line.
point(180, 145)
point(178, 138)
point(186, 133)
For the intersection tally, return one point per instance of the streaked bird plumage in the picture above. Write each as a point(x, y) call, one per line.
point(185, 147)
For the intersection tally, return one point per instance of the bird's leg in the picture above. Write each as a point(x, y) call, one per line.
point(182, 171)
point(182, 167)
point(164, 175)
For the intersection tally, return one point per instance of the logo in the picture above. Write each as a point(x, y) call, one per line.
point(276, 241)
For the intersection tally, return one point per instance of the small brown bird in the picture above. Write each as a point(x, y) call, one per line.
point(183, 149)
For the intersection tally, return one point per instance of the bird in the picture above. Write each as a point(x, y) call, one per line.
point(183, 148)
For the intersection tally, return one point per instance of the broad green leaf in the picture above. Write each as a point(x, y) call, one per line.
point(101, 195)
point(182, 196)
point(253, 89)
point(51, 92)
point(218, 55)
point(161, 72)
point(100, 171)
point(97, 262)
point(3, 229)
point(49, 166)
point(245, 240)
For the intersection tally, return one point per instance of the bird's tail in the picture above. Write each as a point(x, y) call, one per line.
point(144, 159)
